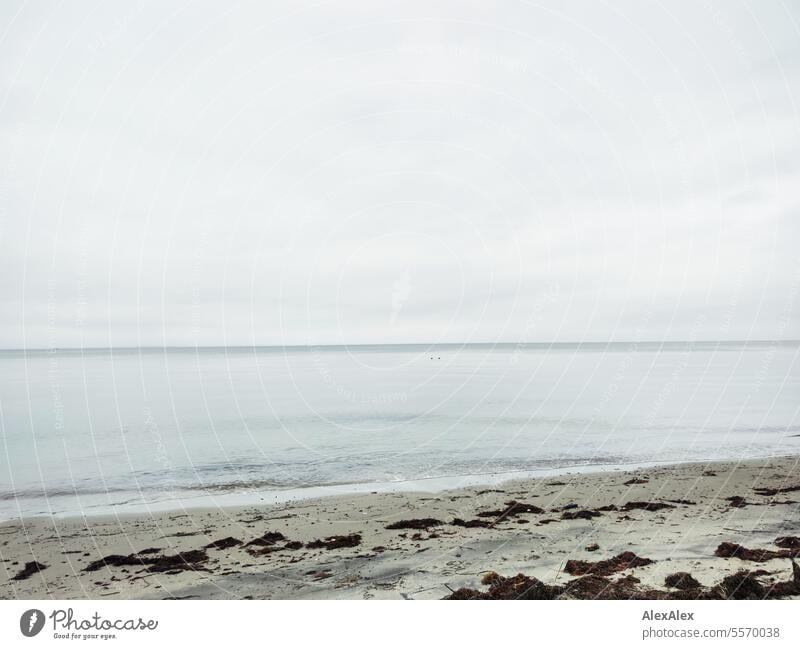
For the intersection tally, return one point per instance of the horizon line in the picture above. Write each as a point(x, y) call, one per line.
point(409, 344)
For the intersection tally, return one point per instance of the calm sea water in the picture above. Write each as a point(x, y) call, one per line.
point(82, 430)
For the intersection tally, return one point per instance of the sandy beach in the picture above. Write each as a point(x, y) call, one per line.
point(635, 528)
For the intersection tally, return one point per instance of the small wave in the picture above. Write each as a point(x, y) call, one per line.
point(250, 476)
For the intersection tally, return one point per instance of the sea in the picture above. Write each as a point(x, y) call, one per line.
point(116, 431)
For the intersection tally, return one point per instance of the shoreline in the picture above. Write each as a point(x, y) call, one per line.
point(338, 545)
point(185, 500)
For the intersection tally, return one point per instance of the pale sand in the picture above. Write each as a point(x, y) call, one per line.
point(682, 538)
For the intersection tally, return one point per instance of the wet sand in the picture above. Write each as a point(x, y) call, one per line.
point(340, 547)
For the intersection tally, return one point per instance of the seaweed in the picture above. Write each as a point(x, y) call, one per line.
point(336, 542)
point(647, 506)
point(734, 550)
point(790, 542)
point(513, 509)
point(518, 587)
point(606, 567)
point(737, 501)
point(740, 585)
point(31, 568)
point(580, 514)
point(222, 544)
point(414, 524)
point(768, 491)
point(682, 581)
point(267, 539)
point(190, 560)
point(116, 561)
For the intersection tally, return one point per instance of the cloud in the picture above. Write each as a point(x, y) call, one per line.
point(265, 175)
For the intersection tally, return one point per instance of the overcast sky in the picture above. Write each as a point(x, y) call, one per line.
point(209, 173)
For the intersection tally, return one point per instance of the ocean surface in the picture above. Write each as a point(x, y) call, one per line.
point(95, 431)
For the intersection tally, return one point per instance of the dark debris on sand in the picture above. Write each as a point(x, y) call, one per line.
point(414, 524)
point(149, 551)
point(682, 581)
point(265, 548)
point(116, 561)
point(627, 507)
point(737, 501)
point(31, 568)
point(512, 509)
point(787, 588)
point(585, 514)
point(475, 522)
point(606, 567)
point(790, 542)
point(734, 550)
point(222, 544)
point(190, 560)
point(529, 588)
point(741, 585)
point(767, 491)
point(336, 542)
point(647, 506)
point(267, 539)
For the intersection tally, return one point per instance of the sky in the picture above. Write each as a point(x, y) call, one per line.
point(268, 173)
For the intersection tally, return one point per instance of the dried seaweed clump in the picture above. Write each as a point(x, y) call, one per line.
point(740, 585)
point(336, 542)
point(512, 509)
point(414, 524)
point(606, 567)
point(31, 568)
point(734, 550)
point(682, 581)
